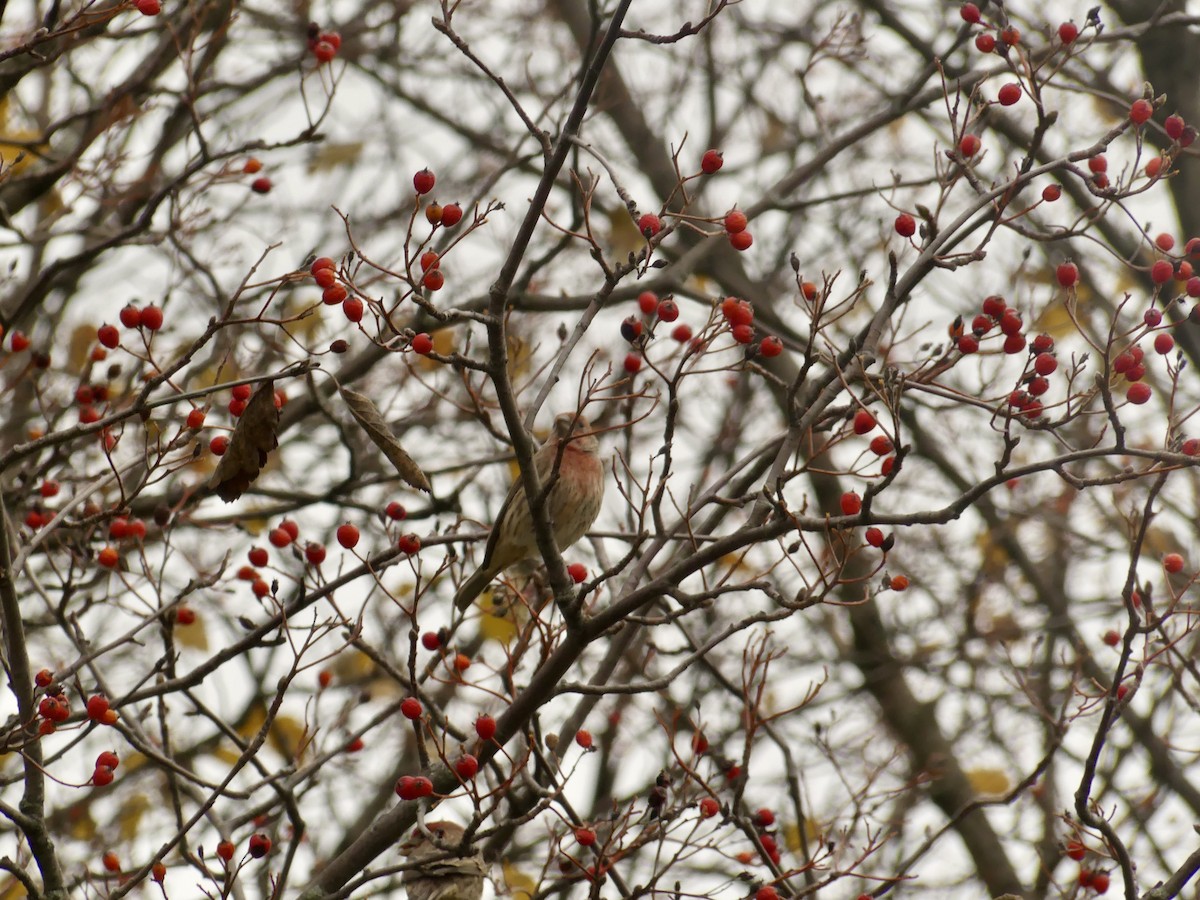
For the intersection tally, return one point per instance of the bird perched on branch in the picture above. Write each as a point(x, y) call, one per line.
point(572, 505)
point(437, 874)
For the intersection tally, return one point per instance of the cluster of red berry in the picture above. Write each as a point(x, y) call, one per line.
point(324, 45)
point(324, 272)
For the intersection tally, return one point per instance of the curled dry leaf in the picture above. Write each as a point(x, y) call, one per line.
point(369, 417)
point(256, 435)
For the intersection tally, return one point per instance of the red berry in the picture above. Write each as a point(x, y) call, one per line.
point(396, 511)
point(583, 738)
point(1164, 242)
point(770, 346)
point(632, 364)
point(102, 776)
point(1112, 639)
point(131, 317)
point(649, 225)
point(1164, 343)
point(110, 862)
point(431, 641)
point(278, 537)
point(631, 329)
point(261, 185)
point(1154, 166)
point(711, 161)
point(764, 818)
point(899, 583)
point(225, 850)
point(985, 43)
point(1076, 850)
point(1045, 364)
point(218, 445)
point(260, 587)
point(314, 553)
point(429, 260)
point(334, 294)
point(1173, 126)
point(148, 7)
point(434, 279)
point(1014, 343)
point(906, 225)
point(1067, 32)
point(485, 727)
point(647, 302)
point(864, 421)
point(324, 51)
point(851, 503)
point(683, 333)
point(735, 221)
point(585, 836)
point(766, 892)
point(1009, 94)
point(43, 678)
point(158, 871)
point(451, 215)
point(260, 845)
point(874, 537)
point(108, 336)
point(1138, 393)
point(258, 556)
point(409, 544)
point(321, 262)
point(1051, 192)
point(1162, 272)
point(1100, 880)
point(97, 706)
point(466, 766)
point(668, 310)
point(741, 241)
point(969, 145)
point(1067, 274)
point(252, 166)
point(578, 572)
point(423, 181)
point(108, 557)
point(743, 334)
point(422, 344)
point(881, 445)
point(994, 306)
point(195, 419)
point(347, 536)
point(411, 708)
point(353, 309)
point(970, 13)
point(1190, 447)
point(1173, 563)
point(1011, 36)
point(1098, 164)
point(737, 311)
point(708, 808)
point(1141, 111)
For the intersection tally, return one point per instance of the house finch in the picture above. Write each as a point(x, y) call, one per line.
point(436, 873)
point(572, 505)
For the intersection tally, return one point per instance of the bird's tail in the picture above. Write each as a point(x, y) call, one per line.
point(473, 586)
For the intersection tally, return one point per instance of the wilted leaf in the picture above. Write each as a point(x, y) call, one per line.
point(520, 885)
point(256, 435)
point(381, 436)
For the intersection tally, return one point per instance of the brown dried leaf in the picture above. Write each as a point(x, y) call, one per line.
point(256, 435)
point(381, 436)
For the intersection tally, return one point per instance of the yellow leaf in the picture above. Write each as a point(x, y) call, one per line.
point(353, 666)
point(520, 886)
point(443, 342)
point(83, 338)
point(129, 816)
point(12, 889)
point(791, 835)
point(623, 236)
point(988, 782)
point(333, 155)
point(193, 635)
